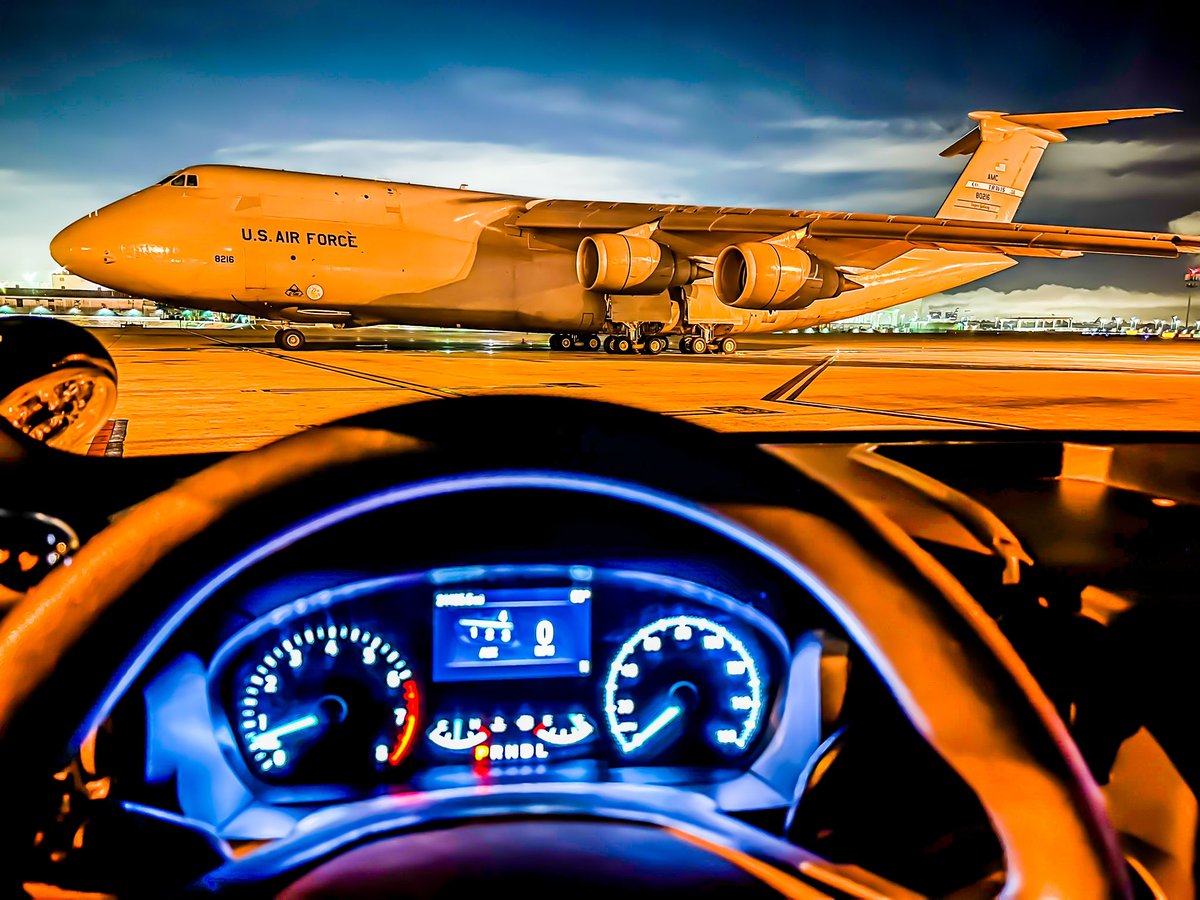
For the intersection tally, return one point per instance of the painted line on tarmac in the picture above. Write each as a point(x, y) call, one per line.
point(797, 384)
point(848, 361)
point(342, 370)
point(790, 391)
point(924, 417)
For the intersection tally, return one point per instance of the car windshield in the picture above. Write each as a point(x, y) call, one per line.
point(792, 246)
point(192, 386)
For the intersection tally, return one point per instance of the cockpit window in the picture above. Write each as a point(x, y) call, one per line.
point(191, 181)
point(177, 181)
point(165, 180)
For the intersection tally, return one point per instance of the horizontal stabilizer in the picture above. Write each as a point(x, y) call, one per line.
point(1048, 122)
point(1005, 149)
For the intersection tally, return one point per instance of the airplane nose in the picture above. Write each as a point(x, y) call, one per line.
point(74, 248)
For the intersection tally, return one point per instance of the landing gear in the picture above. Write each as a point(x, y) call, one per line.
point(618, 343)
point(563, 341)
point(652, 346)
point(290, 339)
point(705, 343)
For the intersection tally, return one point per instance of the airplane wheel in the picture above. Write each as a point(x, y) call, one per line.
point(608, 344)
point(622, 345)
point(290, 339)
point(561, 342)
point(592, 342)
point(728, 345)
point(698, 345)
point(685, 345)
point(654, 346)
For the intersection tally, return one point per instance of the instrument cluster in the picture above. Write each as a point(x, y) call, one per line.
point(480, 674)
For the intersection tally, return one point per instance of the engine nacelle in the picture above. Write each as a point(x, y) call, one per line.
point(765, 276)
point(620, 264)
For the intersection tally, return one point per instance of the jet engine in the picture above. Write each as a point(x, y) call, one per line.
point(766, 276)
point(621, 264)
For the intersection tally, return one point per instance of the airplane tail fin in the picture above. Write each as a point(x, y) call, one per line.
point(1005, 149)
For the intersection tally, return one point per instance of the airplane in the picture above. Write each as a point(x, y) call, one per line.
point(307, 248)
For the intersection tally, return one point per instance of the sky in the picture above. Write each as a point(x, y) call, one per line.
point(804, 106)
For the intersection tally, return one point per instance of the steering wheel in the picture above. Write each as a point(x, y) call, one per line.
point(950, 670)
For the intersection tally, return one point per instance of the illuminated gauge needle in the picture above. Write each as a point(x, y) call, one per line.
point(661, 721)
point(455, 740)
point(269, 739)
point(580, 729)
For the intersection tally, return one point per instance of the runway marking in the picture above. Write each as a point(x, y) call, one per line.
point(318, 390)
point(797, 384)
point(847, 361)
point(724, 411)
point(341, 370)
point(925, 417)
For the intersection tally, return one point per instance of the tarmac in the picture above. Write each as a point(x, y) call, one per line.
point(190, 390)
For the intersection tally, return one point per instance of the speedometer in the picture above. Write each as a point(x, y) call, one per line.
point(683, 681)
point(326, 702)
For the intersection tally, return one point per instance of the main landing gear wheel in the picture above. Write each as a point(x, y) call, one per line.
point(727, 345)
point(592, 342)
point(561, 342)
point(695, 345)
point(608, 344)
point(620, 344)
point(290, 339)
point(654, 346)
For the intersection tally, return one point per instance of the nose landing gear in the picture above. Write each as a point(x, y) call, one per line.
point(290, 339)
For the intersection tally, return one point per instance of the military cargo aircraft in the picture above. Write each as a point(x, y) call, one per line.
point(622, 276)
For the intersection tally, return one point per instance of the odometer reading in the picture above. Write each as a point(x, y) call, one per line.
point(687, 682)
point(327, 702)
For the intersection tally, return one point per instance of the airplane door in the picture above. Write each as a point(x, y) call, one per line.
point(257, 266)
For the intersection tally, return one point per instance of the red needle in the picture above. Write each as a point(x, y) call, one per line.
point(413, 702)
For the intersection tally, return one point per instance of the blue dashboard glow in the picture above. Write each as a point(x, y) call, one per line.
point(191, 600)
point(509, 633)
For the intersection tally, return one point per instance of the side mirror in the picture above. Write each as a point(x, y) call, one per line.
point(58, 385)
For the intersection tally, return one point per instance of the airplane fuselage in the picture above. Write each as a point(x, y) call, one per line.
point(318, 248)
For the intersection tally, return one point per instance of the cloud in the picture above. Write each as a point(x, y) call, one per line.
point(36, 207)
point(644, 105)
point(1189, 224)
point(483, 166)
point(1083, 304)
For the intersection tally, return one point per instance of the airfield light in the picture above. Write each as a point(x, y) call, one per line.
point(1191, 279)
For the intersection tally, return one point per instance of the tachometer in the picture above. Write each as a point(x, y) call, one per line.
point(683, 681)
point(327, 702)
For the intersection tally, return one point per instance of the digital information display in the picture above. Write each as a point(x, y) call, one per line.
point(512, 633)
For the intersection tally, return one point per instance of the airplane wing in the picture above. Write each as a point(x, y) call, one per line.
point(1003, 150)
point(842, 239)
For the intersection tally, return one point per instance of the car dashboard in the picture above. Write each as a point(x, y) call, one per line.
point(608, 636)
point(466, 676)
point(517, 626)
